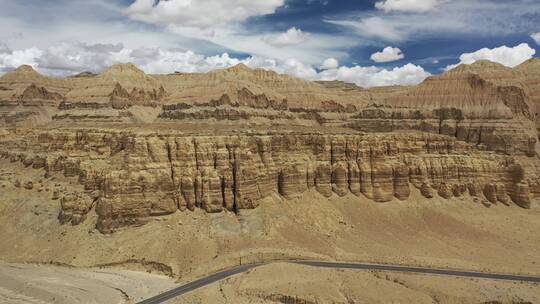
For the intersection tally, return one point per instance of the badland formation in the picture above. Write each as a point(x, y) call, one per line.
point(143, 146)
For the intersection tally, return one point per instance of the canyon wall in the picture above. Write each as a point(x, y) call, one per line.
point(226, 140)
point(484, 103)
point(130, 177)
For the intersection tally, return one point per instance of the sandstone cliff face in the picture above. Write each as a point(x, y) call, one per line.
point(484, 103)
point(131, 177)
point(119, 87)
point(191, 88)
point(529, 75)
point(121, 98)
point(469, 132)
point(34, 95)
point(29, 98)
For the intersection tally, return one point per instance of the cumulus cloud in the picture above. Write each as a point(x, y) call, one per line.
point(406, 5)
point(372, 76)
point(12, 59)
point(289, 66)
point(292, 36)
point(536, 37)
point(330, 63)
point(169, 61)
point(223, 24)
point(508, 56)
point(77, 56)
point(111, 22)
point(72, 57)
point(388, 54)
point(201, 14)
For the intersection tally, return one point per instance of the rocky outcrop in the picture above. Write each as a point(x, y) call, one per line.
point(461, 103)
point(230, 139)
point(132, 177)
point(74, 208)
point(528, 73)
point(485, 104)
point(40, 96)
point(121, 98)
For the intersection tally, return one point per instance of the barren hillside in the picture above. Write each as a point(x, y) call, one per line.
point(183, 174)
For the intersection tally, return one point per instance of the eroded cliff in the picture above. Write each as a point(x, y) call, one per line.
point(132, 176)
point(226, 140)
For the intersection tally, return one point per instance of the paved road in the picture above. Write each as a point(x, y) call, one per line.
point(381, 267)
point(173, 293)
point(424, 270)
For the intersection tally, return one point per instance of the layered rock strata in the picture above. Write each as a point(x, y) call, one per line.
point(132, 176)
point(472, 131)
point(486, 104)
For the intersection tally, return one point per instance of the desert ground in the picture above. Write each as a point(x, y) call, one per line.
point(40, 284)
point(288, 283)
point(120, 185)
point(273, 283)
point(457, 233)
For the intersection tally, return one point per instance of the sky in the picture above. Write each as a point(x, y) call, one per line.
point(367, 42)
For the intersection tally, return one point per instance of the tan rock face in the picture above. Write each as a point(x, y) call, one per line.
point(225, 140)
point(39, 95)
point(529, 74)
point(121, 98)
point(133, 177)
point(484, 103)
point(426, 191)
point(75, 207)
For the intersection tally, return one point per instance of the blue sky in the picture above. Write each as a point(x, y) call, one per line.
point(369, 42)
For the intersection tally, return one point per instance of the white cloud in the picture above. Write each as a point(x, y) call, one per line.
point(202, 14)
point(536, 37)
point(221, 23)
point(26, 24)
point(388, 54)
point(292, 36)
point(70, 58)
point(12, 59)
point(290, 66)
point(373, 27)
point(330, 63)
point(107, 22)
point(406, 5)
point(508, 56)
point(372, 76)
point(312, 51)
point(449, 18)
point(169, 61)
point(77, 56)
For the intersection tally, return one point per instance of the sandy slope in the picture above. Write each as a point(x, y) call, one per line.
point(288, 283)
point(273, 283)
point(457, 233)
point(40, 284)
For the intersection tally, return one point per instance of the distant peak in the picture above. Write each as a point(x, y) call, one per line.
point(239, 68)
point(479, 66)
point(123, 68)
point(486, 63)
point(534, 59)
point(531, 63)
point(25, 68)
point(23, 72)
